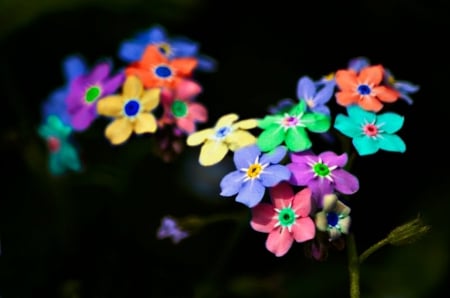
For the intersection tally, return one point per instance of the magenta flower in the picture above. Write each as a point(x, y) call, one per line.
point(286, 219)
point(85, 91)
point(323, 174)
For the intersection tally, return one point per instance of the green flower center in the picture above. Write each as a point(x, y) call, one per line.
point(321, 169)
point(179, 108)
point(286, 216)
point(92, 94)
point(254, 170)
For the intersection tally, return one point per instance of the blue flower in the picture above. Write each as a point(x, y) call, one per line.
point(169, 229)
point(132, 50)
point(405, 88)
point(63, 155)
point(315, 99)
point(255, 171)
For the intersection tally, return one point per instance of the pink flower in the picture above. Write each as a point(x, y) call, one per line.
point(286, 219)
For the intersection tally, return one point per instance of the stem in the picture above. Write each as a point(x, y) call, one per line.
point(372, 249)
point(353, 267)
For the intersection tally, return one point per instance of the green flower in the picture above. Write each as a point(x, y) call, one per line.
point(290, 128)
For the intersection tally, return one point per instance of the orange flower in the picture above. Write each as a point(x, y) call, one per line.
point(364, 88)
point(157, 70)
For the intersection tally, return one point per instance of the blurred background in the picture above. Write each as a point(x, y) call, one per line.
point(92, 234)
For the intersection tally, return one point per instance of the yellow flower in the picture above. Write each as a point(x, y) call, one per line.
point(131, 110)
point(226, 135)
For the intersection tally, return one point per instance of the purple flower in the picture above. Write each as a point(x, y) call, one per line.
point(169, 229)
point(323, 174)
point(315, 99)
point(85, 91)
point(255, 171)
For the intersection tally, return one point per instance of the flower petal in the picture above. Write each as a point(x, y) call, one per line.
point(83, 118)
point(281, 195)
point(370, 103)
point(347, 126)
point(360, 115)
point(251, 193)
point(119, 131)
point(302, 202)
point(145, 122)
point(187, 89)
point(212, 152)
point(346, 80)
point(392, 143)
point(112, 84)
point(297, 139)
point(390, 122)
point(365, 145)
point(199, 137)
point(274, 156)
point(246, 124)
point(150, 99)
point(371, 75)
point(270, 138)
point(386, 94)
point(302, 174)
point(329, 202)
point(246, 156)
point(274, 174)
point(346, 98)
point(345, 224)
point(305, 88)
point(321, 221)
point(332, 159)
point(197, 112)
point(316, 122)
point(344, 182)
point(231, 183)
point(226, 120)
point(152, 56)
point(304, 229)
point(239, 138)
point(263, 219)
point(279, 241)
point(132, 88)
point(184, 66)
point(110, 106)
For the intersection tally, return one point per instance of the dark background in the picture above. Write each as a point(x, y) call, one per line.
point(93, 234)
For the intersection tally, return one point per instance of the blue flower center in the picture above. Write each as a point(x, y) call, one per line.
point(222, 132)
point(163, 71)
point(364, 89)
point(332, 219)
point(132, 108)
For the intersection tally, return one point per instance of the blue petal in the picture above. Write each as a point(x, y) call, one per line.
point(74, 66)
point(246, 156)
point(358, 63)
point(272, 175)
point(206, 63)
point(324, 94)
point(274, 156)
point(305, 88)
point(390, 122)
point(251, 193)
point(365, 145)
point(404, 86)
point(347, 126)
point(392, 143)
point(321, 109)
point(131, 51)
point(232, 183)
point(155, 34)
point(183, 47)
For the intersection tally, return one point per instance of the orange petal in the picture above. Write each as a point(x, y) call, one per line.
point(152, 56)
point(148, 78)
point(370, 103)
point(346, 98)
point(346, 79)
point(184, 66)
point(371, 75)
point(386, 94)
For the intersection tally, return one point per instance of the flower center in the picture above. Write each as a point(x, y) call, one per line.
point(321, 169)
point(164, 48)
point(332, 219)
point(310, 103)
point(222, 132)
point(290, 121)
point(254, 170)
point(163, 71)
point(391, 80)
point(364, 89)
point(92, 94)
point(370, 130)
point(286, 216)
point(179, 108)
point(329, 76)
point(53, 144)
point(132, 107)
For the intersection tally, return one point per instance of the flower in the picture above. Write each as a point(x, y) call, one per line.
point(169, 229)
point(291, 128)
point(131, 110)
point(358, 63)
point(285, 220)
point(63, 155)
point(73, 66)
point(364, 88)
point(371, 132)
point(315, 99)
point(282, 106)
point(157, 70)
point(226, 135)
point(179, 107)
point(132, 50)
point(404, 88)
point(85, 91)
point(333, 218)
point(255, 171)
point(323, 173)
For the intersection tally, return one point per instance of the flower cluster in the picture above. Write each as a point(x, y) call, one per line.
point(157, 76)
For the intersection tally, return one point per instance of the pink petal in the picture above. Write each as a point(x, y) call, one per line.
point(187, 89)
point(263, 218)
point(302, 202)
point(198, 112)
point(282, 195)
point(279, 241)
point(303, 229)
point(186, 125)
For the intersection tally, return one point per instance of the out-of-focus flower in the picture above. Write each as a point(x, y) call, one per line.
point(131, 110)
point(169, 229)
point(63, 156)
point(173, 47)
point(85, 91)
point(255, 171)
point(364, 88)
point(315, 98)
point(371, 132)
point(323, 174)
point(156, 70)
point(334, 218)
point(404, 88)
point(290, 128)
point(282, 106)
point(180, 109)
point(286, 219)
point(226, 135)
point(358, 63)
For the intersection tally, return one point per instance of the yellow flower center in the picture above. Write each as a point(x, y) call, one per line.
point(254, 170)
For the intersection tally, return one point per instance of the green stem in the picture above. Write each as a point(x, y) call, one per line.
point(353, 266)
point(372, 249)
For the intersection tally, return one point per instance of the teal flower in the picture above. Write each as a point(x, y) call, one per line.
point(290, 128)
point(371, 132)
point(63, 155)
